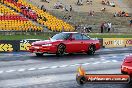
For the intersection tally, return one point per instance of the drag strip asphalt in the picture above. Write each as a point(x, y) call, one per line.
point(25, 70)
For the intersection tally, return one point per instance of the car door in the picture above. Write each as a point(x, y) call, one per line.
point(75, 43)
point(85, 42)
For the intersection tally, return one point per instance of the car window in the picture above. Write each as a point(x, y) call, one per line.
point(77, 36)
point(85, 37)
point(62, 36)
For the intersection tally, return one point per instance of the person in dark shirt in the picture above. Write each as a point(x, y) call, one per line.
point(102, 27)
point(70, 8)
point(131, 23)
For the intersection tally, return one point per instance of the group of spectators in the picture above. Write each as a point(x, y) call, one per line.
point(121, 14)
point(48, 1)
point(106, 27)
point(91, 13)
point(67, 18)
point(58, 5)
point(80, 2)
point(89, 2)
point(107, 2)
point(83, 29)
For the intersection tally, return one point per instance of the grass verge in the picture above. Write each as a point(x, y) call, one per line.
point(46, 36)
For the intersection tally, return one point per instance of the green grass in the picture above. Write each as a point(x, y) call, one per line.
point(46, 36)
point(111, 35)
point(19, 37)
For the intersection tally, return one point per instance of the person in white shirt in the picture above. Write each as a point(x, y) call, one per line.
point(109, 26)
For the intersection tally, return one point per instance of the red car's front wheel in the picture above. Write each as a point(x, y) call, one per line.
point(60, 50)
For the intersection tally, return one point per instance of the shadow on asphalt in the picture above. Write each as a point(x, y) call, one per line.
point(65, 57)
point(48, 57)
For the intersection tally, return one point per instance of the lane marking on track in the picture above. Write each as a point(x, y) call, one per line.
point(114, 61)
point(102, 59)
point(72, 65)
point(114, 56)
point(1, 72)
point(53, 67)
point(85, 64)
point(21, 70)
point(91, 58)
point(63, 66)
point(8, 71)
point(96, 62)
point(106, 61)
point(31, 69)
point(42, 68)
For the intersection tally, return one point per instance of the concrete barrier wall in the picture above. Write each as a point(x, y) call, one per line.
point(23, 45)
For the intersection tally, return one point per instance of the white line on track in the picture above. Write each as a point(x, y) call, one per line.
point(106, 61)
point(10, 71)
point(91, 58)
point(1, 72)
point(96, 62)
point(102, 59)
point(114, 61)
point(21, 70)
point(85, 64)
point(31, 69)
point(42, 68)
point(63, 66)
point(114, 56)
point(74, 65)
point(54, 67)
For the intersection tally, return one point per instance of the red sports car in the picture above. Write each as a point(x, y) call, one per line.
point(126, 67)
point(66, 42)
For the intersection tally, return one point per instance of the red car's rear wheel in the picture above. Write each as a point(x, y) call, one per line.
point(60, 50)
point(91, 50)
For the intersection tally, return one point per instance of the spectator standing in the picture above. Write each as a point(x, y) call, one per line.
point(66, 8)
point(70, 8)
point(105, 26)
point(91, 2)
point(131, 23)
point(91, 13)
point(43, 8)
point(79, 2)
point(109, 26)
point(102, 27)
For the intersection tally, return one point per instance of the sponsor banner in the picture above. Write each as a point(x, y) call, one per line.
point(128, 41)
point(15, 45)
point(107, 78)
point(6, 47)
point(82, 77)
point(9, 45)
point(117, 42)
point(25, 44)
point(103, 78)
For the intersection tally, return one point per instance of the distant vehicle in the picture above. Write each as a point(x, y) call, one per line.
point(126, 67)
point(66, 42)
